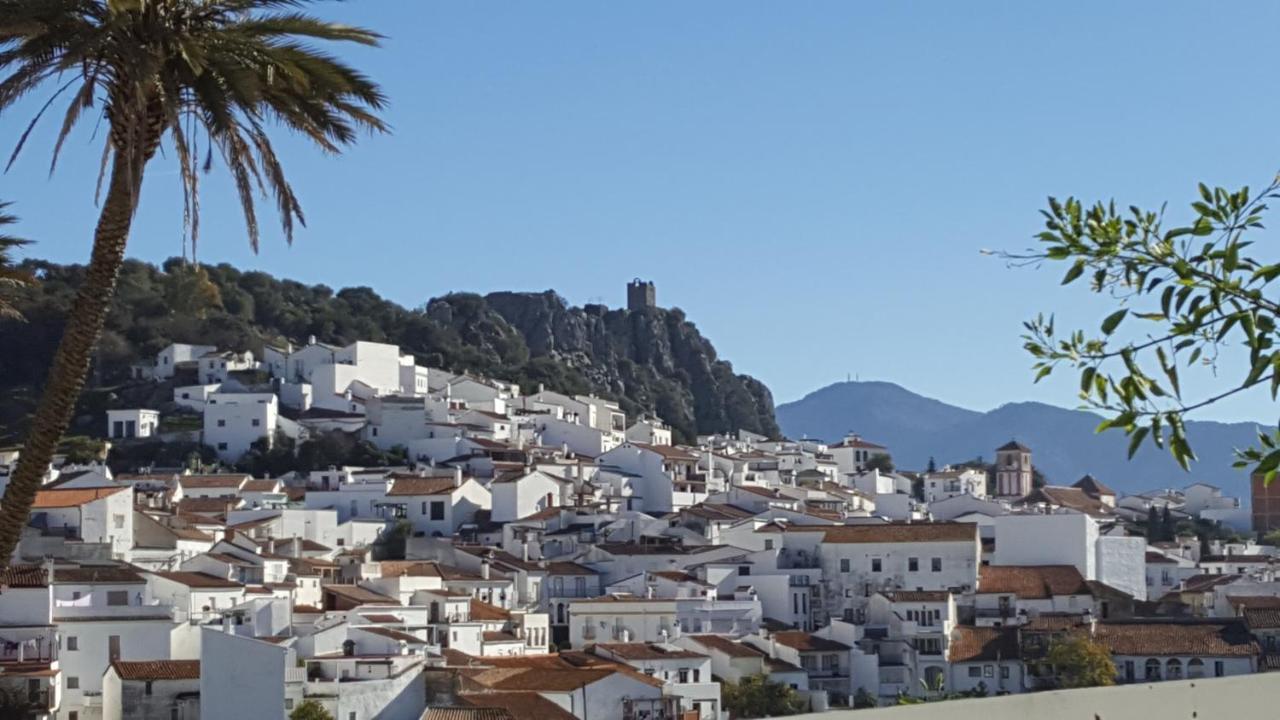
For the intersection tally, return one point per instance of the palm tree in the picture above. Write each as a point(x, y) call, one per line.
point(208, 76)
point(9, 278)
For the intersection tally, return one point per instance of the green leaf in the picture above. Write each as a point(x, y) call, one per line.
point(1136, 439)
point(1076, 271)
point(1113, 321)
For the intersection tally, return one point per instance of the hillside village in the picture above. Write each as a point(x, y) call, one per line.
point(544, 555)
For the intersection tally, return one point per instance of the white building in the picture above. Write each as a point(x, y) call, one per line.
point(132, 423)
point(233, 422)
point(168, 359)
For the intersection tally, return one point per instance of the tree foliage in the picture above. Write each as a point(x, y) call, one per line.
point(310, 710)
point(1079, 662)
point(10, 277)
point(1183, 294)
point(758, 696)
point(881, 462)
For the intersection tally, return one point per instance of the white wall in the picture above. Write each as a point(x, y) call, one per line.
point(250, 678)
point(234, 421)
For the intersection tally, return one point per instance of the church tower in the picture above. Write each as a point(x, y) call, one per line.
point(1013, 470)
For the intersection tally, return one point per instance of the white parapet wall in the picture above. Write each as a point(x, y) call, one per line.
point(1243, 696)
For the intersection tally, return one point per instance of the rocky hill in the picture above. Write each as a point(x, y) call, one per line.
point(650, 360)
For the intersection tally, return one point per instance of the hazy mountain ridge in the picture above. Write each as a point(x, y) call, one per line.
point(1063, 441)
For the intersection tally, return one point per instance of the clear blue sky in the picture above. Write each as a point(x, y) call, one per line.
point(812, 182)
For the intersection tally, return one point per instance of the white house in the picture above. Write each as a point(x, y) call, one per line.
point(521, 494)
point(101, 515)
point(168, 359)
point(132, 423)
point(438, 506)
point(949, 483)
point(194, 396)
point(233, 422)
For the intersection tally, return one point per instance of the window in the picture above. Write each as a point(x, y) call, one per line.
point(1195, 668)
point(117, 519)
point(288, 704)
point(1173, 669)
point(222, 446)
point(975, 671)
point(1004, 672)
point(73, 683)
point(117, 597)
point(222, 423)
point(875, 564)
point(844, 564)
point(937, 564)
point(176, 714)
point(256, 422)
point(75, 595)
point(684, 675)
point(147, 688)
point(744, 570)
point(929, 646)
point(1219, 669)
point(913, 564)
point(73, 715)
point(768, 544)
point(988, 671)
point(1152, 669)
point(437, 510)
point(697, 675)
point(73, 643)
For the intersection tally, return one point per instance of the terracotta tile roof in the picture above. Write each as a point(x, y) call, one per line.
point(1091, 486)
point(157, 669)
point(1260, 618)
point(1259, 602)
point(226, 480)
point(1032, 582)
point(856, 443)
point(1068, 497)
point(421, 486)
point(718, 511)
point(24, 576)
point(358, 594)
point(381, 618)
point(199, 580)
point(726, 645)
point(497, 636)
point(1158, 558)
point(1214, 638)
point(467, 713)
point(1013, 445)
point(805, 642)
point(973, 644)
point(260, 486)
point(481, 611)
point(206, 506)
point(647, 651)
point(106, 574)
point(537, 679)
point(895, 532)
point(519, 705)
point(71, 497)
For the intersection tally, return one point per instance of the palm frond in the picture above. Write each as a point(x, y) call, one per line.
point(211, 74)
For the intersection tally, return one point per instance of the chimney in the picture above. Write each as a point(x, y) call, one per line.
point(457, 476)
point(311, 339)
point(524, 550)
point(541, 388)
point(484, 568)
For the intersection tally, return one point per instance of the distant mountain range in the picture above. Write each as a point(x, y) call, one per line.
point(1063, 442)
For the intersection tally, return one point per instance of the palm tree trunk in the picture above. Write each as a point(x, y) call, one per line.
point(71, 363)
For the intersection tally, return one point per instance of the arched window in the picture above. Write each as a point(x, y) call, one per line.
point(1173, 669)
point(1195, 668)
point(1153, 669)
